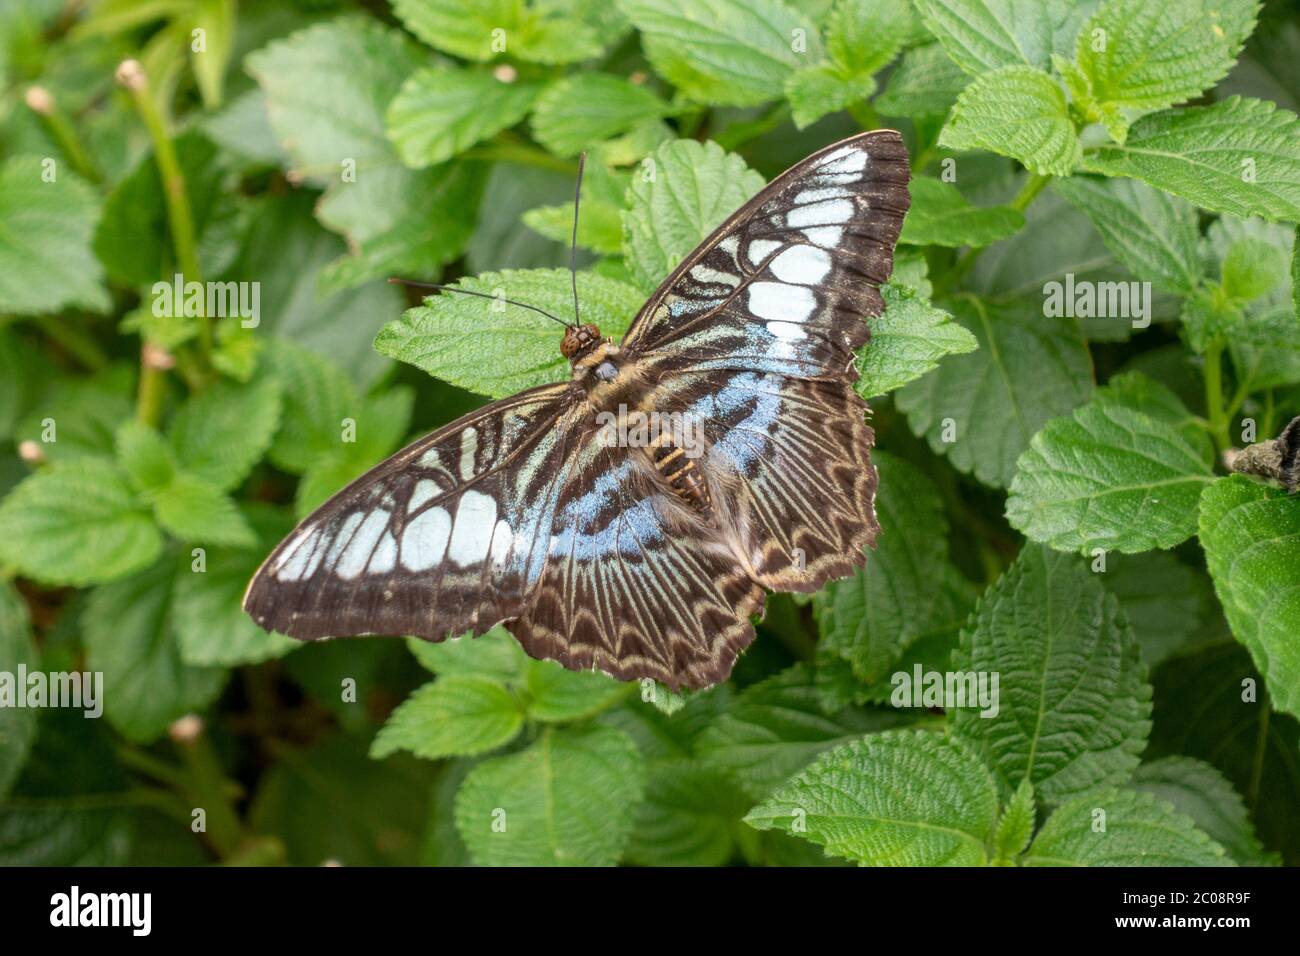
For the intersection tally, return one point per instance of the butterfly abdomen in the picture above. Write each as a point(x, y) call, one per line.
point(680, 472)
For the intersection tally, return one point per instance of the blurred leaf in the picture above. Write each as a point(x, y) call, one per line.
point(220, 433)
point(554, 694)
point(579, 111)
point(723, 52)
point(1139, 831)
point(687, 818)
point(902, 798)
point(926, 82)
point(46, 262)
point(1073, 704)
point(776, 727)
point(77, 523)
point(197, 511)
point(1165, 601)
point(1196, 789)
point(128, 633)
point(332, 802)
point(17, 650)
point(567, 800)
point(476, 30)
point(442, 112)
point(681, 193)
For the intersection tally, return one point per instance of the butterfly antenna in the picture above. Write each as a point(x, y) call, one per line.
point(481, 295)
point(573, 246)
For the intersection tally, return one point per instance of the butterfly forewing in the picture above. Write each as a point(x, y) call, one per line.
point(447, 536)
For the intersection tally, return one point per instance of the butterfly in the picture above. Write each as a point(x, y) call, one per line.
point(601, 541)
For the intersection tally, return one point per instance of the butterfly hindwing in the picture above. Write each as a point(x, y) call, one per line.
point(636, 584)
point(447, 536)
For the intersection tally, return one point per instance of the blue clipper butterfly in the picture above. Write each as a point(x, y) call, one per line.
point(636, 558)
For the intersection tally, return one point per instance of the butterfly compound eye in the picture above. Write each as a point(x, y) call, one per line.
point(578, 339)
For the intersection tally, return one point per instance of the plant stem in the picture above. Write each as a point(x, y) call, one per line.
point(1214, 408)
point(179, 214)
point(149, 396)
point(61, 130)
point(1028, 192)
point(74, 340)
point(206, 785)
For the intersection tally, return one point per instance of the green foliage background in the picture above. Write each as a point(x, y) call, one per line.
point(1053, 505)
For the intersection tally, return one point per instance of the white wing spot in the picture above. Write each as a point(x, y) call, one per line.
point(775, 300)
point(359, 550)
point(850, 159)
point(385, 557)
point(760, 249)
point(703, 273)
point(827, 212)
point(424, 489)
point(346, 530)
point(806, 265)
point(425, 539)
point(502, 538)
point(293, 565)
point(818, 195)
point(468, 447)
point(828, 237)
point(475, 518)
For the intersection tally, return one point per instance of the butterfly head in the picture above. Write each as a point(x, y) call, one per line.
point(578, 341)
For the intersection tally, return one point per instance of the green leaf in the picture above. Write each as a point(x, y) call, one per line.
point(332, 802)
point(1020, 112)
point(1139, 831)
point(198, 511)
point(1237, 156)
point(220, 433)
point(1252, 268)
point(317, 397)
point(1197, 789)
point(525, 346)
point(1028, 369)
point(775, 727)
point(567, 800)
point(144, 456)
point(77, 523)
point(870, 618)
point(579, 111)
point(469, 28)
point(1143, 57)
point(985, 35)
point(682, 192)
point(134, 236)
point(17, 650)
point(1152, 233)
point(1141, 393)
point(217, 20)
point(1164, 600)
point(442, 112)
point(862, 36)
point(907, 342)
point(926, 82)
point(451, 717)
point(495, 655)
point(1016, 825)
point(724, 52)
point(941, 216)
point(46, 262)
point(1251, 536)
point(207, 613)
point(687, 818)
point(902, 798)
point(1109, 477)
point(554, 694)
point(825, 88)
point(1074, 706)
point(128, 634)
